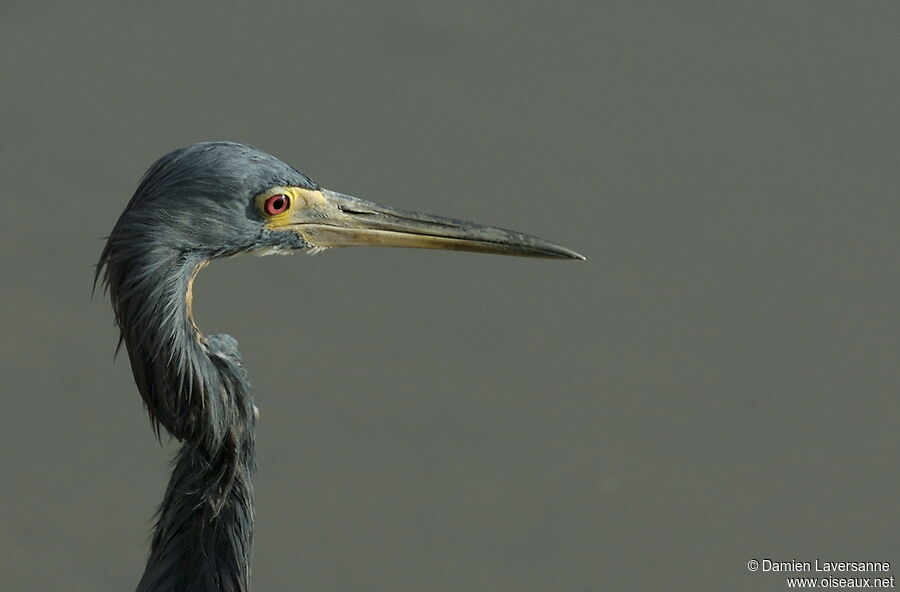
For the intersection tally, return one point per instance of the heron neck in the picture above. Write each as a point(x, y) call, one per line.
point(191, 385)
point(194, 386)
point(202, 542)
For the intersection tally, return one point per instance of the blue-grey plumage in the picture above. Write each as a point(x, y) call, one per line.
point(193, 205)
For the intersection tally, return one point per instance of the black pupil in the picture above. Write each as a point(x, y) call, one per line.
point(278, 203)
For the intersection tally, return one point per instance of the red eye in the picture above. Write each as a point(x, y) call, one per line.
point(276, 204)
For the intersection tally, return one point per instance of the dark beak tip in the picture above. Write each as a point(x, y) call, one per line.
point(564, 253)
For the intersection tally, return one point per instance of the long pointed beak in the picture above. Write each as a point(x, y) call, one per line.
point(337, 220)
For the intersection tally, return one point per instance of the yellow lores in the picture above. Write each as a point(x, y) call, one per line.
point(277, 215)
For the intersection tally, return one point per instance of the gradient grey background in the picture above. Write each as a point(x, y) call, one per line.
point(718, 382)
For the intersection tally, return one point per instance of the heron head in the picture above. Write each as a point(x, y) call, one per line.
point(218, 198)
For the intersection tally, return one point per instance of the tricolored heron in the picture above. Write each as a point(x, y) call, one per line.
point(211, 200)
